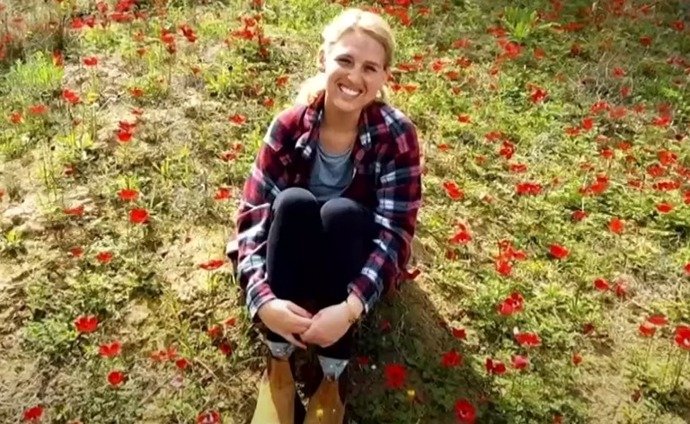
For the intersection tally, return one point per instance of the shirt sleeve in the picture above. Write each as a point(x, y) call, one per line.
point(267, 177)
point(398, 194)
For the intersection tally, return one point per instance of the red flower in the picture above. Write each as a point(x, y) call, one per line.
point(58, 60)
point(16, 117)
point(108, 350)
point(683, 337)
point(461, 237)
point(238, 119)
point(527, 188)
point(395, 376)
point(503, 267)
point(658, 319)
point(465, 411)
point(579, 215)
point(39, 109)
point(528, 339)
point(70, 96)
point(223, 193)
point(34, 413)
point(212, 264)
point(558, 251)
point(576, 359)
point(451, 359)
point(363, 360)
point(86, 324)
point(601, 284)
point(128, 194)
point(76, 252)
point(538, 95)
point(90, 61)
point(512, 304)
point(647, 330)
point(465, 119)
point(616, 226)
point(75, 211)
point(211, 417)
point(104, 257)
point(518, 168)
point(687, 268)
point(459, 333)
point(215, 331)
point(181, 364)
point(618, 72)
point(115, 378)
point(495, 367)
point(138, 216)
point(136, 92)
point(453, 190)
point(124, 136)
point(520, 362)
point(661, 121)
point(664, 207)
point(225, 348)
point(507, 150)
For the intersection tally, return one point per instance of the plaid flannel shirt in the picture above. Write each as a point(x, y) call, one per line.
point(387, 179)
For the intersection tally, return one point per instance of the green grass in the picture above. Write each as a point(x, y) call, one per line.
point(153, 293)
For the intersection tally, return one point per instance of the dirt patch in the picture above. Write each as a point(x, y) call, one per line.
point(181, 266)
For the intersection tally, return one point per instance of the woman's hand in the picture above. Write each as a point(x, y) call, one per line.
point(285, 319)
point(330, 324)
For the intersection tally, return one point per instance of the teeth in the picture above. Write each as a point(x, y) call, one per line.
point(348, 91)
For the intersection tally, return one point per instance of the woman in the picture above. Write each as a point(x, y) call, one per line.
point(327, 214)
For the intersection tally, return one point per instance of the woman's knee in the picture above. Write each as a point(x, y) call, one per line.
point(344, 215)
point(294, 201)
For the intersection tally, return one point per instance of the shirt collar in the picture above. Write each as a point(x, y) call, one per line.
point(312, 120)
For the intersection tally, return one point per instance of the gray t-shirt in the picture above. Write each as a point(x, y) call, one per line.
point(331, 174)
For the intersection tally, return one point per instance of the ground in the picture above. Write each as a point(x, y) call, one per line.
point(551, 270)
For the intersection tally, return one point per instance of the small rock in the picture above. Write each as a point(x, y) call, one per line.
point(137, 313)
point(31, 228)
point(22, 212)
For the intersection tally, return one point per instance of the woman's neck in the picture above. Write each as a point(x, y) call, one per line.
point(339, 121)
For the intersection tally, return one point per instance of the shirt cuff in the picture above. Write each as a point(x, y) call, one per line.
point(365, 290)
point(262, 296)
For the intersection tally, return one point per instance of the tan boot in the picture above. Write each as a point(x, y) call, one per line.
point(276, 401)
point(327, 405)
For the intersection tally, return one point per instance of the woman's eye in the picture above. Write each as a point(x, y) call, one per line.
point(343, 60)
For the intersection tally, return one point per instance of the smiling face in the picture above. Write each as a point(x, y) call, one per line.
point(355, 71)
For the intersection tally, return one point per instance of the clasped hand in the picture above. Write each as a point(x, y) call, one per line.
point(286, 319)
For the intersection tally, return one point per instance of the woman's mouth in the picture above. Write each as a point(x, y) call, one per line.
point(349, 92)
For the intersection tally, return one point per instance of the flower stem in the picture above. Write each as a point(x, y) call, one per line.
point(681, 364)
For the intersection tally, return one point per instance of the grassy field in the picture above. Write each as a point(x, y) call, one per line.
point(551, 272)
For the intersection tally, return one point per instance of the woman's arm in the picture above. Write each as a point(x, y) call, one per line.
point(267, 178)
point(399, 195)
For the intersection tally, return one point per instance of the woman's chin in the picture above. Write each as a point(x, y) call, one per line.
point(347, 105)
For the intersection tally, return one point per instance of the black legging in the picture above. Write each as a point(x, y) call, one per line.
point(314, 251)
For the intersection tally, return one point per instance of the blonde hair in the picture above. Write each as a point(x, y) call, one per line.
point(349, 20)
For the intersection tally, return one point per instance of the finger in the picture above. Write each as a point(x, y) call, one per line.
point(290, 338)
point(298, 328)
point(298, 310)
point(309, 335)
point(296, 320)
